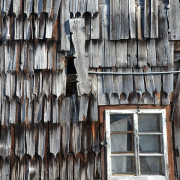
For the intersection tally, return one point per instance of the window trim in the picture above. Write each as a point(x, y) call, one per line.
point(165, 145)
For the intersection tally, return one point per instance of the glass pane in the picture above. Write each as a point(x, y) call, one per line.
point(121, 142)
point(151, 165)
point(121, 122)
point(123, 165)
point(149, 122)
point(150, 143)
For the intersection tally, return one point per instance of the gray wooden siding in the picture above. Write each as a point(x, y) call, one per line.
point(47, 132)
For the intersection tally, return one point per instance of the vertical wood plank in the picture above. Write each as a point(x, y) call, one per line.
point(132, 19)
point(147, 4)
point(149, 82)
point(139, 85)
point(142, 50)
point(115, 20)
point(83, 108)
point(121, 54)
point(163, 51)
point(81, 61)
point(131, 53)
point(64, 25)
point(151, 52)
point(95, 26)
point(154, 19)
point(124, 19)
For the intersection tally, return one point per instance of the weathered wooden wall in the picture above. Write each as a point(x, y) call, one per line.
point(49, 123)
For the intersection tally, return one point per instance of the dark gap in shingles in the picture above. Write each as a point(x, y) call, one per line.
point(42, 116)
point(33, 6)
point(10, 13)
point(71, 77)
point(70, 66)
point(78, 15)
point(71, 15)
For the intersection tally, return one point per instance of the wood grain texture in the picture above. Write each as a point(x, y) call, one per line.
point(163, 50)
point(154, 19)
point(81, 61)
point(64, 25)
point(139, 85)
point(173, 16)
point(50, 132)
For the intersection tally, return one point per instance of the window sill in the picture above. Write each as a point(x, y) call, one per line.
point(150, 177)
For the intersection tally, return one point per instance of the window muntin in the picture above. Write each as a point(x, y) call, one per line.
point(137, 144)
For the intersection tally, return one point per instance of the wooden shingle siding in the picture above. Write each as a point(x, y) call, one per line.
point(50, 126)
point(173, 13)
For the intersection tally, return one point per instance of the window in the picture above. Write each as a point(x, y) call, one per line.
point(136, 144)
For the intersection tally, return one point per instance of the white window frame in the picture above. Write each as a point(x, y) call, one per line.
point(137, 154)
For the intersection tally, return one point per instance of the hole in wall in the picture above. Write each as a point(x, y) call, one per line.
point(70, 66)
point(71, 77)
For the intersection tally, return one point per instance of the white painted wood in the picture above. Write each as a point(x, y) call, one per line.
point(164, 154)
point(108, 140)
point(149, 133)
point(165, 143)
point(137, 178)
point(153, 154)
point(136, 143)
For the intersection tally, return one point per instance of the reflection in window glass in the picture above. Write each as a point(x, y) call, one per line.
point(150, 143)
point(123, 165)
point(121, 142)
point(144, 128)
point(121, 122)
point(149, 122)
point(151, 165)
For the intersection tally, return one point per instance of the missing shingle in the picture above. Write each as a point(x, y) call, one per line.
point(70, 66)
point(71, 77)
